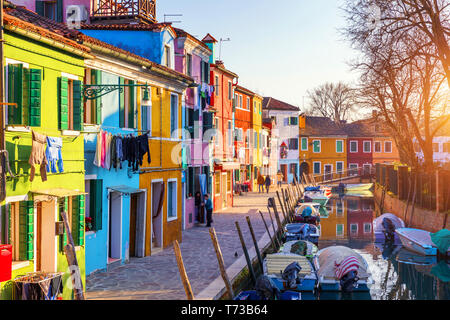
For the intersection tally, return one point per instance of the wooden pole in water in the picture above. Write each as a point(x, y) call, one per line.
point(267, 229)
point(273, 227)
point(247, 257)
point(183, 274)
point(281, 205)
point(288, 209)
point(255, 242)
point(226, 280)
point(277, 216)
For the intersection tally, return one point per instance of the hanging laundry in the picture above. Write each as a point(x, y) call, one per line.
point(54, 155)
point(104, 137)
point(98, 151)
point(119, 151)
point(37, 155)
point(108, 151)
point(143, 148)
point(113, 153)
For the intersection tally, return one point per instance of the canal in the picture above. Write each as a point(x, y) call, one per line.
point(398, 273)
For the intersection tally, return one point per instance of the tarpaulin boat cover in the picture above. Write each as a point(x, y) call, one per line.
point(441, 240)
point(331, 256)
point(442, 271)
point(378, 222)
point(301, 247)
point(276, 263)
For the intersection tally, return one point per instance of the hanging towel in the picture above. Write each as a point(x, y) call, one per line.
point(104, 137)
point(108, 151)
point(37, 155)
point(53, 154)
point(98, 151)
point(119, 151)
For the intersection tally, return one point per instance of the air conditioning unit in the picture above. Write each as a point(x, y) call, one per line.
point(75, 15)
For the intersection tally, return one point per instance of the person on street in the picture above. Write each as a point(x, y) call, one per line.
point(199, 208)
point(209, 210)
point(280, 178)
point(260, 182)
point(268, 182)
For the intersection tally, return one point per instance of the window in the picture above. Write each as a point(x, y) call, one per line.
point(217, 183)
point(173, 114)
point(217, 89)
point(304, 144)
point(216, 127)
point(367, 168)
point(190, 182)
point(367, 146)
point(240, 101)
point(293, 121)
point(127, 104)
point(339, 146)
point(172, 200)
point(339, 166)
point(353, 167)
point(293, 144)
point(435, 147)
point(388, 146)
point(353, 146)
point(230, 136)
point(317, 146)
point(248, 104)
point(167, 56)
point(317, 167)
point(146, 112)
point(293, 168)
point(352, 204)
point(367, 227)
point(93, 108)
point(17, 229)
point(354, 228)
point(230, 93)
point(189, 64)
point(205, 71)
point(377, 146)
point(255, 141)
point(50, 9)
point(339, 207)
point(446, 147)
point(254, 107)
point(93, 204)
point(229, 181)
point(339, 230)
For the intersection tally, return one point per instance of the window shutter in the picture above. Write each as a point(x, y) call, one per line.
point(131, 106)
point(64, 206)
point(96, 203)
point(98, 101)
point(122, 104)
point(15, 93)
point(77, 106)
point(34, 97)
point(59, 11)
point(40, 8)
point(78, 220)
point(26, 230)
point(63, 88)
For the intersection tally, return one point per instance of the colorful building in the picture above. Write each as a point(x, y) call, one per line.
point(286, 118)
point(260, 155)
point(323, 148)
point(359, 147)
point(44, 77)
point(360, 215)
point(334, 225)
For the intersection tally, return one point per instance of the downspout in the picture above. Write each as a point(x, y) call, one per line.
point(2, 96)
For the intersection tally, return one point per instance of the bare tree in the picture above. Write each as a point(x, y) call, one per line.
point(332, 100)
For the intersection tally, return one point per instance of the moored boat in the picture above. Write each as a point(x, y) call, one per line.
point(307, 213)
point(301, 231)
point(340, 268)
point(300, 247)
point(417, 240)
point(358, 187)
point(384, 228)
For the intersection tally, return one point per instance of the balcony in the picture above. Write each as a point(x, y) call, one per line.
point(121, 11)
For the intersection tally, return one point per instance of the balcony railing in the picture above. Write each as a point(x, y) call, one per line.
point(124, 9)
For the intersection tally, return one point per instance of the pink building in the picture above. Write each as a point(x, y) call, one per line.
point(56, 10)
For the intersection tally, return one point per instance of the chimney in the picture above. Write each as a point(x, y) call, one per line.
point(302, 121)
point(219, 63)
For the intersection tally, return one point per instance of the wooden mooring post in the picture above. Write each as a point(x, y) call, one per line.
point(223, 271)
point(267, 229)
point(282, 208)
point(183, 274)
point(247, 257)
point(273, 227)
point(255, 243)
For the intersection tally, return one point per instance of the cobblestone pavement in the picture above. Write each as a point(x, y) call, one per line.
point(156, 277)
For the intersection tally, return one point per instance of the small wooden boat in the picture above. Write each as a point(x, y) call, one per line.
point(275, 266)
point(301, 231)
point(307, 213)
point(383, 229)
point(300, 247)
point(317, 198)
point(327, 262)
point(418, 241)
point(358, 187)
point(409, 257)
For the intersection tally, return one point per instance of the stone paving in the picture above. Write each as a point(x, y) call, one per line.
point(157, 278)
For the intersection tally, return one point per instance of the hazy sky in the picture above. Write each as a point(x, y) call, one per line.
point(278, 48)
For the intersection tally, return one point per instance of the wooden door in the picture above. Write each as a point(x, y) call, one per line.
point(133, 215)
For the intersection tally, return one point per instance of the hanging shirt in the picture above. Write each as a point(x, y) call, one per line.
point(104, 136)
point(143, 148)
point(108, 151)
point(53, 154)
point(37, 155)
point(98, 151)
point(119, 151)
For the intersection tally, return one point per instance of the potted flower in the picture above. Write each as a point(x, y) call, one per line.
point(88, 223)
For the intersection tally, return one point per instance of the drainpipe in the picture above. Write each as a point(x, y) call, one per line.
point(2, 97)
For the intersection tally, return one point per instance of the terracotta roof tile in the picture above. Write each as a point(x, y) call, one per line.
point(181, 34)
point(270, 103)
point(321, 126)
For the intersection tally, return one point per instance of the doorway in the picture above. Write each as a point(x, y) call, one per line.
point(46, 235)
point(224, 190)
point(283, 168)
point(157, 216)
point(304, 169)
point(328, 171)
point(137, 224)
point(115, 226)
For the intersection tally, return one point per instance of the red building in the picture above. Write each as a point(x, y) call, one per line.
point(223, 150)
point(360, 214)
point(359, 146)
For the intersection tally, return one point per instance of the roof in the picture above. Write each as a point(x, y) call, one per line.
point(270, 103)
point(209, 38)
point(183, 34)
point(360, 129)
point(244, 90)
point(321, 126)
point(220, 66)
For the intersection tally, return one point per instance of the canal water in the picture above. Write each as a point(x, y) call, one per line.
point(398, 273)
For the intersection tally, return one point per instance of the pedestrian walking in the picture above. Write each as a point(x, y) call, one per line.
point(280, 178)
point(260, 182)
point(199, 208)
point(209, 210)
point(268, 182)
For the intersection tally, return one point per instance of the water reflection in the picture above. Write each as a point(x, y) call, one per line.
point(398, 273)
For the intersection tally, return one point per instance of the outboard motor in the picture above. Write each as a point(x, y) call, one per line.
point(266, 289)
point(348, 281)
point(389, 229)
point(290, 274)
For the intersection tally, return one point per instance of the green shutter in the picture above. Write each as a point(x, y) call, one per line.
point(59, 10)
point(304, 144)
point(63, 103)
point(26, 230)
point(131, 100)
point(98, 101)
point(339, 146)
point(122, 104)
point(63, 205)
point(78, 209)
point(77, 106)
point(95, 203)
point(34, 96)
point(15, 93)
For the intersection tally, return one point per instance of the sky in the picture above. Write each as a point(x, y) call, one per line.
point(278, 48)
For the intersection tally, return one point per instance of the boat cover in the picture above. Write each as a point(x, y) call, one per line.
point(276, 263)
point(329, 257)
point(418, 236)
point(441, 240)
point(300, 247)
point(378, 222)
point(442, 271)
point(301, 228)
point(312, 189)
point(361, 186)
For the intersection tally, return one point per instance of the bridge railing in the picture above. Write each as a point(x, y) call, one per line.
point(342, 175)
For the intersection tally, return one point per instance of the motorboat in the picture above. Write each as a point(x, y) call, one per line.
point(358, 187)
point(384, 228)
point(265, 289)
point(418, 241)
point(290, 271)
point(319, 198)
point(308, 213)
point(409, 257)
point(340, 268)
point(301, 231)
point(300, 247)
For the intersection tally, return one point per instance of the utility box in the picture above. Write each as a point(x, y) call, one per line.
point(5, 262)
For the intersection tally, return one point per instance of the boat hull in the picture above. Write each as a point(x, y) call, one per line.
point(417, 241)
point(307, 284)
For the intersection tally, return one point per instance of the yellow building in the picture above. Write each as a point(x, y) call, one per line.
point(334, 225)
point(257, 155)
point(323, 146)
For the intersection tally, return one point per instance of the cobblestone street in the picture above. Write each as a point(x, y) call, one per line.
point(156, 277)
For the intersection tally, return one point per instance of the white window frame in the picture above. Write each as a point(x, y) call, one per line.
point(364, 146)
point(248, 107)
point(375, 149)
point(240, 101)
point(320, 167)
point(230, 91)
point(370, 227)
point(176, 200)
point(350, 146)
point(357, 227)
point(167, 58)
point(320, 146)
point(177, 124)
point(350, 167)
point(341, 162)
point(343, 229)
point(385, 146)
point(301, 144)
point(342, 141)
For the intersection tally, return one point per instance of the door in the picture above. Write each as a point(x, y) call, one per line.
point(304, 169)
point(224, 190)
point(328, 171)
point(157, 216)
point(115, 226)
point(133, 220)
point(284, 170)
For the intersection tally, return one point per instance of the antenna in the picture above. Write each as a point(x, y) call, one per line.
point(172, 15)
point(220, 46)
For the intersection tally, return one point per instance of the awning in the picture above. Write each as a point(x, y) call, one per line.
point(125, 189)
point(43, 195)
